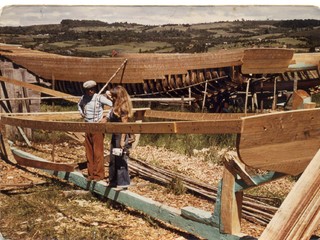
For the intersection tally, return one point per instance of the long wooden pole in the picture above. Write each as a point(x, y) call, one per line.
point(104, 87)
point(247, 93)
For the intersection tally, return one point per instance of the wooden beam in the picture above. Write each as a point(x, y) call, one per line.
point(234, 166)
point(183, 127)
point(167, 99)
point(231, 204)
point(65, 115)
point(193, 116)
point(36, 88)
point(299, 214)
point(43, 164)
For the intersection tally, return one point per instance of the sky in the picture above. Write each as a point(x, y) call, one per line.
point(33, 12)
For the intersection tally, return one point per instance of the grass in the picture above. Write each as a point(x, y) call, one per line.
point(290, 41)
point(63, 44)
point(176, 186)
point(132, 47)
point(192, 144)
point(44, 213)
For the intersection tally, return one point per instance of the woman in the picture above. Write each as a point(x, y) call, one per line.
point(120, 143)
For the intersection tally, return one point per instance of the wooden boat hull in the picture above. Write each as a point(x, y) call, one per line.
point(170, 75)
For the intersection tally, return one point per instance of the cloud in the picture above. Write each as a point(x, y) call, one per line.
point(23, 15)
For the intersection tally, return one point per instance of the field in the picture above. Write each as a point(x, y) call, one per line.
point(94, 39)
point(34, 205)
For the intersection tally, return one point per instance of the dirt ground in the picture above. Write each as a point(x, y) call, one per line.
point(36, 206)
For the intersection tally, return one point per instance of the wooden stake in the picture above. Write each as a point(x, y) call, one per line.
point(247, 93)
point(103, 88)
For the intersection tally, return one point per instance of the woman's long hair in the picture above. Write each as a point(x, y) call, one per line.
point(122, 104)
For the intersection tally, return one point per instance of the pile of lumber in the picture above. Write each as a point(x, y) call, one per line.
point(253, 208)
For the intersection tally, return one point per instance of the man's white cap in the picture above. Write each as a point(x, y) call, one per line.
point(89, 84)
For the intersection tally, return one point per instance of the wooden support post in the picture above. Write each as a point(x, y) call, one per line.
point(204, 95)
point(182, 103)
point(247, 93)
point(5, 148)
point(274, 102)
point(231, 205)
point(236, 167)
point(254, 103)
point(7, 108)
point(53, 88)
point(299, 214)
point(295, 85)
point(261, 92)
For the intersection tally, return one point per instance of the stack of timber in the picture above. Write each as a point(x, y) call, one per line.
point(254, 209)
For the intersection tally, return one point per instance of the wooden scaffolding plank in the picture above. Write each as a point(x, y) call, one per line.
point(300, 209)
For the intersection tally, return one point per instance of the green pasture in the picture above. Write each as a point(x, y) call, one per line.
point(291, 41)
point(137, 28)
point(131, 47)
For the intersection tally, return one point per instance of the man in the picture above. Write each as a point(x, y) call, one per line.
point(91, 107)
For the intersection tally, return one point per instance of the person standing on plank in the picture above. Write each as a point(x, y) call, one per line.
point(91, 106)
point(120, 142)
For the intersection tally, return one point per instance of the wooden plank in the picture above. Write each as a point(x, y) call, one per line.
point(307, 58)
point(208, 127)
point(269, 70)
point(198, 215)
point(183, 127)
point(281, 142)
point(43, 164)
point(193, 116)
point(54, 125)
point(234, 166)
point(300, 208)
point(39, 89)
point(231, 204)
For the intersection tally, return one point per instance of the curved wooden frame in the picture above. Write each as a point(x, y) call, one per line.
point(282, 142)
